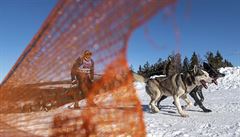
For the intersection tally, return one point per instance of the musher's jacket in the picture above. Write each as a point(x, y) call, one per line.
point(84, 67)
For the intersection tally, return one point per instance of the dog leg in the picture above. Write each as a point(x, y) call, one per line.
point(153, 102)
point(188, 101)
point(193, 94)
point(179, 108)
point(152, 106)
point(200, 94)
point(159, 101)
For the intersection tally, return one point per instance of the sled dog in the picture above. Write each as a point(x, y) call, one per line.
point(197, 91)
point(178, 86)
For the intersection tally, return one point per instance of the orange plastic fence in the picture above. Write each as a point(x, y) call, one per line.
point(40, 79)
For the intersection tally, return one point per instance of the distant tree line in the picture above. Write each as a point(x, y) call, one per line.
point(175, 64)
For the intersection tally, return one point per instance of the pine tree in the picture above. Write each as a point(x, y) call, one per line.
point(218, 60)
point(226, 63)
point(229, 64)
point(173, 65)
point(158, 67)
point(194, 60)
point(149, 70)
point(131, 68)
point(140, 71)
point(210, 58)
point(200, 60)
point(178, 62)
point(146, 67)
point(186, 64)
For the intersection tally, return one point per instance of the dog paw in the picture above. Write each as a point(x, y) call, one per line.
point(173, 103)
point(207, 110)
point(195, 104)
point(184, 114)
point(186, 106)
point(155, 110)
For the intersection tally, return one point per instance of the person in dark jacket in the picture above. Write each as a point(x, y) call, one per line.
point(82, 74)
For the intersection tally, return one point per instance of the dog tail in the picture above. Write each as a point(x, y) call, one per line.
point(139, 78)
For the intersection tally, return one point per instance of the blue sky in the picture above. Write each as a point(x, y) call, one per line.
point(205, 25)
point(19, 22)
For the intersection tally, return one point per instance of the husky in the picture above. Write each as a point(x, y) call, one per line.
point(213, 73)
point(197, 91)
point(178, 86)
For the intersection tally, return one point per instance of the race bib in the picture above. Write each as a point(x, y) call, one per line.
point(85, 70)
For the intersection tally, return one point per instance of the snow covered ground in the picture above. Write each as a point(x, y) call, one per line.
point(223, 100)
point(224, 121)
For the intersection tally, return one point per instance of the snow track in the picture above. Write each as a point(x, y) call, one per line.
point(224, 121)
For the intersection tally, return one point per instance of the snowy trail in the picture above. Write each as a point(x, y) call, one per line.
point(224, 121)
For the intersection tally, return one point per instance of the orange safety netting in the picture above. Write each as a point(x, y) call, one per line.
point(40, 79)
